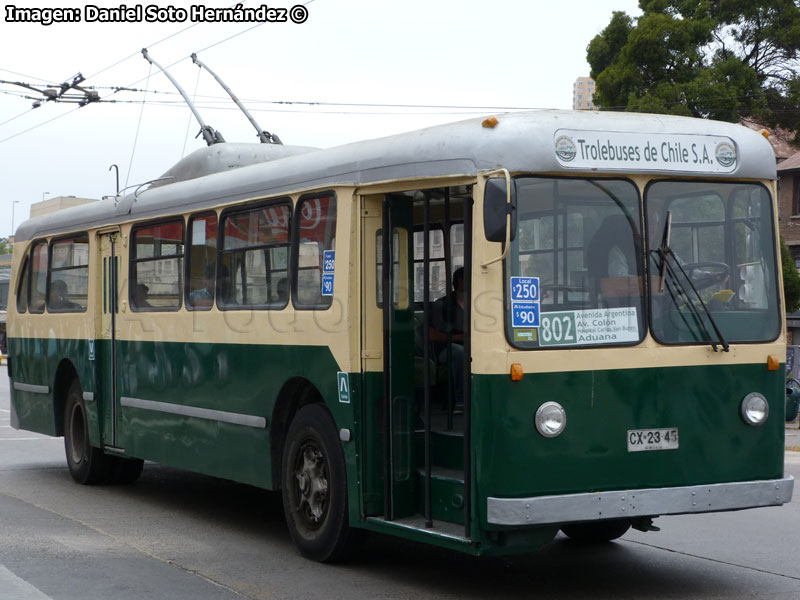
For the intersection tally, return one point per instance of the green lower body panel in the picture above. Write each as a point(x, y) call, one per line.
point(512, 460)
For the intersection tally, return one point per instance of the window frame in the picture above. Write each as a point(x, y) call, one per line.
point(295, 252)
point(221, 252)
point(35, 244)
point(134, 260)
point(24, 279)
point(58, 240)
point(187, 258)
point(729, 224)
point(640, 262)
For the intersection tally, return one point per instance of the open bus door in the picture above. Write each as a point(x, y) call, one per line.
point(388, 357)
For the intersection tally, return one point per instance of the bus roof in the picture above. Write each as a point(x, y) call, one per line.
point(533, 142)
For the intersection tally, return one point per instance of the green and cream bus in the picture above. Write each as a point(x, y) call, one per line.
point(269, 313)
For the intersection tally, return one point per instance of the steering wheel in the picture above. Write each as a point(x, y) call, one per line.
point(710, 272)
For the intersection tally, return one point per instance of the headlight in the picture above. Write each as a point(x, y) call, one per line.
point(755, 409)
point(550, 419)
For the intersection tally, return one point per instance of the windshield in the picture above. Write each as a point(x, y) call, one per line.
point(574, 271)
point(721, 236)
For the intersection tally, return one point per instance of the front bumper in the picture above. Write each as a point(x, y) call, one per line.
point(631, 504)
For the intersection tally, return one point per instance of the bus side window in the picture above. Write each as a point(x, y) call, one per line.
point(316, 238)
point(22, 288)
point(157, 266)
point(201, 261)
point(38, 278)
point(254, 257)
point(68, 289)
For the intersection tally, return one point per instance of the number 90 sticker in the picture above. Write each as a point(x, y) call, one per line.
point(524, 314)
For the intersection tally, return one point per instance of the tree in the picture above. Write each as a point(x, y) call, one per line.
point(718, 59)
point(5, 247)
point(791, 280)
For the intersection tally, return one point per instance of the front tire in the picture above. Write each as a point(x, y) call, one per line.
point(597, 532)
point(314, 486)
point(87, 465)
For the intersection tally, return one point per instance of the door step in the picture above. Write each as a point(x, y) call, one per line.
point(447, 494)
point(447, 449)
point(416, 523)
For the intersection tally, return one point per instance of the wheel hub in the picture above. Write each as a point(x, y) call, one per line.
point(312, 484)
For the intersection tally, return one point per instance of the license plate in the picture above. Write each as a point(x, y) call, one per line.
point(642, 440)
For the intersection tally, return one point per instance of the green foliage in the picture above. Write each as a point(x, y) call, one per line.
point(719, 59)
point(791, 280)
point(5, 247)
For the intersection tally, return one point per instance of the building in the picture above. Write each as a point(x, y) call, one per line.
point(582, 93)
point(58, 203)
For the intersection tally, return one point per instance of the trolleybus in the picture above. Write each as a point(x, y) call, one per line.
point(287, 317)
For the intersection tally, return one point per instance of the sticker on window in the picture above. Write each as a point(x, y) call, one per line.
point(581, 327)
point(328, 265)
point(524, 302)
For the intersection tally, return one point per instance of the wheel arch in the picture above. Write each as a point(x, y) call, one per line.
point(296, 393)
point(66, 373)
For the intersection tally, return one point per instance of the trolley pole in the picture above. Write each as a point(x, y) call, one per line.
point(210, 135)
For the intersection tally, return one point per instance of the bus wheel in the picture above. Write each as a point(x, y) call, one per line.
point(597, 532)
point(87, 465)
point(315, 487)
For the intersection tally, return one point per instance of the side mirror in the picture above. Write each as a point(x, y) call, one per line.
point(496, 207)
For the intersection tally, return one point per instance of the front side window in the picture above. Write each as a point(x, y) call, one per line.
point(574, 273)
point(157, 267)
point(69, 275)
point(712, 262)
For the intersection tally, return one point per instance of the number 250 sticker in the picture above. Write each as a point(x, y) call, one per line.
point(524, 289)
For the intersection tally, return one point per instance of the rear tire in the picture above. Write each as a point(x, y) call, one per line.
point(314, 487)
point(597, 532)
point(87, 465)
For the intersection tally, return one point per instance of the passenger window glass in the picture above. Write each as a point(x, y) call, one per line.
point(22, 288)
point(69, 276)
point(317, 235)
point(202, 259)
point(157, 267)
point(38, 278)
point(255, 249)
point(438, 280)
point(395, 267)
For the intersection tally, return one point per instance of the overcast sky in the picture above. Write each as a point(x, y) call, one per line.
point(453, 53)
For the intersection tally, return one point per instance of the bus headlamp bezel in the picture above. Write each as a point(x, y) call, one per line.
point(754, 409)
point(550, 419)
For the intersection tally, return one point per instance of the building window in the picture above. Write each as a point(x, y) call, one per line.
point(795, 195)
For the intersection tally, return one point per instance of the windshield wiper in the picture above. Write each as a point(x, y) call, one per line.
point(665, 253)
